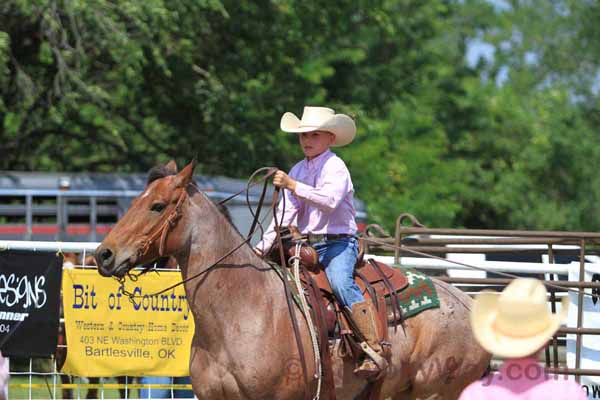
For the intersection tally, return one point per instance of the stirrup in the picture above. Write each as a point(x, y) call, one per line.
point(367, 369)
point(373, 366)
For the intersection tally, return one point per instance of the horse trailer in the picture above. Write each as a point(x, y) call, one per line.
point(84, 206)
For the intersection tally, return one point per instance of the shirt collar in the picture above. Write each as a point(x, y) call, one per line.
point(523, 363)
point(316, 162)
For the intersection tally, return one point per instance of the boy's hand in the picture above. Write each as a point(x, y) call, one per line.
point(282, 180)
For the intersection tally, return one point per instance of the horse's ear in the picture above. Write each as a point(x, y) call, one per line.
point(171, 167)
point(186, 175)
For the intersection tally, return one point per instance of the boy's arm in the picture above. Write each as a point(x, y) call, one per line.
point(291, 211)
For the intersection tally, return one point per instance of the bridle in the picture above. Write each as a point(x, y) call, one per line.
point(169, 223)
point(163, 230)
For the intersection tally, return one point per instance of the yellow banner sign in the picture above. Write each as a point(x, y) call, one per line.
point(109, 335)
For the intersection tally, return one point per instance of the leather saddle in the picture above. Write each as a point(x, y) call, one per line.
point(377, 281)
point(369, 273)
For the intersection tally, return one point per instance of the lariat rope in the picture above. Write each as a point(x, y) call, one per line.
point(295, 262)
point(163, 231)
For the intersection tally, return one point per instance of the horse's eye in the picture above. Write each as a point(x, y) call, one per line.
point(158, 207)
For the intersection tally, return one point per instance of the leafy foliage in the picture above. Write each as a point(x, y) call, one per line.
point(122, 85)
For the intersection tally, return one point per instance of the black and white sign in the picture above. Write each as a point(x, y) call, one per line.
point(29, 303)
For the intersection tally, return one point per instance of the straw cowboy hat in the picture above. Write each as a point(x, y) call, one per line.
point(321, 119)
point(517, 322)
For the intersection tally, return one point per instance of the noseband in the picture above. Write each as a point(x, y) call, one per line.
point(163, 230)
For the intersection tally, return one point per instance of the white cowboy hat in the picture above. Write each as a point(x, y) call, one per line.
point(321, 119)
point(517, 322)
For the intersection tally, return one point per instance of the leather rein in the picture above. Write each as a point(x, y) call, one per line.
point(163, 230)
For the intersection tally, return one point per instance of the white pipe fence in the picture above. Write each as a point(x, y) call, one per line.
point(494, 266)
point(74, 247)
point(407, 262)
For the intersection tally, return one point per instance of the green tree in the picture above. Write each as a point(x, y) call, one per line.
point(122, 85)
point(533, 145)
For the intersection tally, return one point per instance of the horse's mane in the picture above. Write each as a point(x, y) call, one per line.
point(161, 171)
point(158, 172)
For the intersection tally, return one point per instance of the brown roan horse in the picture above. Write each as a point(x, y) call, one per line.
point(244, 345)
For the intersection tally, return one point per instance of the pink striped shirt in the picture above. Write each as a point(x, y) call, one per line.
point(523, 379)
point(323, 201)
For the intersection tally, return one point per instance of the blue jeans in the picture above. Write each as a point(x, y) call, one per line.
point(150, 393)
point(339, 257)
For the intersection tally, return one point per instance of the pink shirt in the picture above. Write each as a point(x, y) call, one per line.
point(323, 201)
point(523, 379)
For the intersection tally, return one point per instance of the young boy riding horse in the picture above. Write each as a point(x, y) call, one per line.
point(319, 200)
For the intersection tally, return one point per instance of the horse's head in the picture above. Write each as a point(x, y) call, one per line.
point(150, 228)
